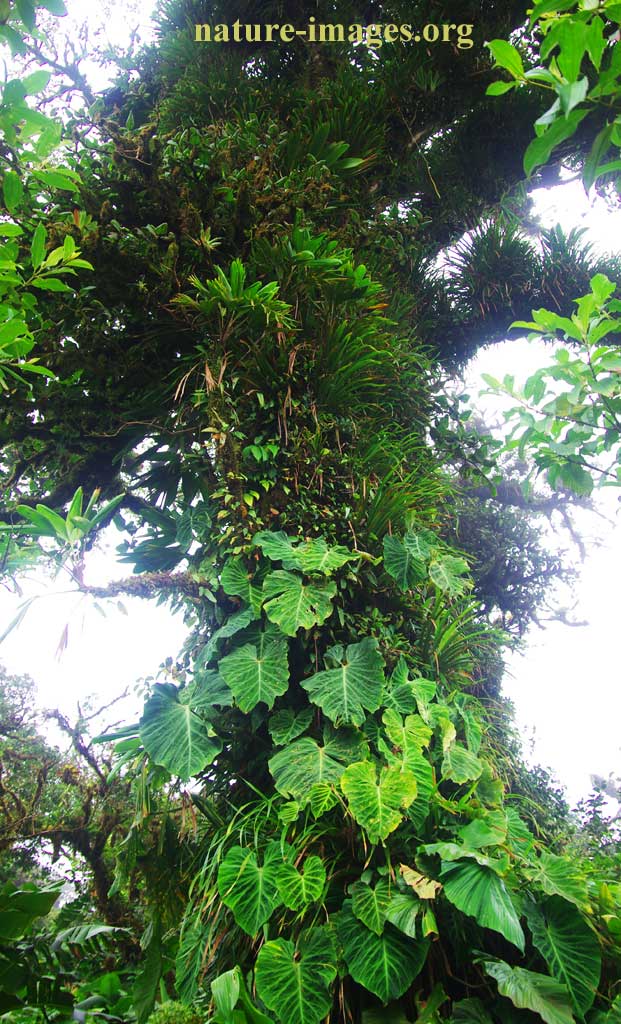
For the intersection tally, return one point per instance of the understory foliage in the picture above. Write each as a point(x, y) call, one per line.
point(329, 824)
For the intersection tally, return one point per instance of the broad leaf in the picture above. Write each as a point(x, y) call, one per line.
point(238, 582)
point(530, 991)
point(569, 948)
point(403, 912)
point(400, 562)
point(384, 964)
point(316, 556)
point(257, 674)
point(286, 726)
point(470, 1011)
point(310, 556)
point(299, 888)
point(234, 625)
point(425, 888)
point(295, 983)
point(278, 547)
point(460, 764)
point(477, 890)
point(346, 693)
point(322, 798)
point(175, 736)
point(378, 805)
point(447, 572)
point(559, 876)
point(409, 734)
point(370, 904)
point(250, 890)
point(292, 604)
point(490, 830)
point(425, 785)
point(304, 763)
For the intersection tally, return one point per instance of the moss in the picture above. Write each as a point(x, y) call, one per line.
point(174, 1012)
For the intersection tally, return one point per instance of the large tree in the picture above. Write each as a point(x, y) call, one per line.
point(256, 368)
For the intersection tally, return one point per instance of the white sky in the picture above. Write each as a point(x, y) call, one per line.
point(565, 685)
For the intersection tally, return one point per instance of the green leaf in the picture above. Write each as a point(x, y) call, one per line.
point(400, 562)
point(257, 673)
point(477, 891)
point(490, 830)
point(461, 765)
point(146, 982)
point(57, 179)
point(572, 94)
point(370, 904)
point(174, 736)
point(13, 190)
point(238, 582)
point(541, 147)
point(425, 784)
point(322, 798)
point(20, 907)
point(316, 556)
point(50, 284)
point(234, 625)
point(291, 603)
point(560, 876)
point(295, 983)
point(36, 82)
point(447, 572)
point(383, 964)
point(409, 734)
point(530, 991)
point(286, 725)
point(499, 88)
point(403, 912)
point(250, 890)
point(470, 1011)
point(569, 948)
point(310, 556)
point(378, 805)
point(37, 248)
point(225, 991)
point(304, 763)
point(506, 56)
point(298, 889)
point(345, 693)
point(278, 547)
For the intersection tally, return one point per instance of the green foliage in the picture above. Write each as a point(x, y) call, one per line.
point(295, 982)
point(579, 63)
point(528, 990)
point(569, 414)
point(172, 1012)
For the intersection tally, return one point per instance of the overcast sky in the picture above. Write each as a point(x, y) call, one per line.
point(565, 685)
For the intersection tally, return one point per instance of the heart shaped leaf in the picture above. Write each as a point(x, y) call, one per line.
point(291, 603)
point(531, 991)
point(250, 890)
point(378, 805)
point(298, 889)
point(569, 948)
point(257, 673)
point(370, 904)
point(295, 983)
point(347, 692)
point(384, 964)
point(175, 736)
point(478, 891)
point(302, 764)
